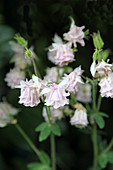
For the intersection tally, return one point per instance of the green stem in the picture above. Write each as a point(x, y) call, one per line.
point(94, 135)
point(99, 103)
point(53, 154)
point(108, 147)
point(35, 69)
point(34, 148)
point(52, 138)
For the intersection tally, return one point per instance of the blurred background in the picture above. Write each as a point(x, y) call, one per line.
point(38, 21)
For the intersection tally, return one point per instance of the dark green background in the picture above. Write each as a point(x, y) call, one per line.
point(38, 21)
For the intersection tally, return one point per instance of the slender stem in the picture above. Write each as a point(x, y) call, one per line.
point(99, 103)
point(34, 148)
point(108, 147)
point(94, 135)
point(53, 154)
point(35, 68)
point(52, 138)
point(94, 97)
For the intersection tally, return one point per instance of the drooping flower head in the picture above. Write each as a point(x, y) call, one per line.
point(60, 53)
point(7, 113)
point(14, 77)
point(106, 86)
point(73, 80)
point(75, 35)
point(55, 114)
point(101, 69)
point(80, 117)
point(84, 93)
point(56, 95)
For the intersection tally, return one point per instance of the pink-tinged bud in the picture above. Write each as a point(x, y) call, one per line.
point(106, 86)
point(14, 77)
point(55, 114)
point(79, 119)
point(6, 113)
point(60, 53)
point(75, 35)
point(55, 95)
point(84, 93)
point(73, 80)
point(29, 94)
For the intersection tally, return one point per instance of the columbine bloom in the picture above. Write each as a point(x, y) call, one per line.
point(60, 53)
point(52, 74)
point(73, 80)
point(106, 86)
point(6, 113)
point(14, 77)
point(56, 95)
point(84, 93)
point(101, 69)
point(79, 119)
point(55, 114)
point(29, 93)
point(75, 35)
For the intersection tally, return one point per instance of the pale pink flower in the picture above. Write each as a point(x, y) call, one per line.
point(79, 119)
point(101, 69)
point(14, 77)
point(75, 35)
point(55, 114)
point(29, 93)
point(52, 74)
point(60, 53)
point(6, 113)
point(64, 55)
point(73, 80)
point(106, 86)
point(56, 95)
point(84, 93)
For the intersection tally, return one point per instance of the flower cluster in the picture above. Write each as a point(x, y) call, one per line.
point(61, 53)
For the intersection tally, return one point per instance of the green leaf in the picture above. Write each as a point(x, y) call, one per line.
point(45, 157)
point(38, 166)
point(41, 126)
point(45, 132)
point(95, 55)
point(100, 121)
point(110, 157)
point(103, 160)
point(103, 114)
point(105, 54)
point(55, 129)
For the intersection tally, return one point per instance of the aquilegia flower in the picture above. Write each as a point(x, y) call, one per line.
point(79, 119)
point(101, 69)
point(106, 86)
point(14, 77)
point(29, 93)
point(75, 35)
point(73, 80)
point(56, 95)
point(60, 53)
point(6, 113)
